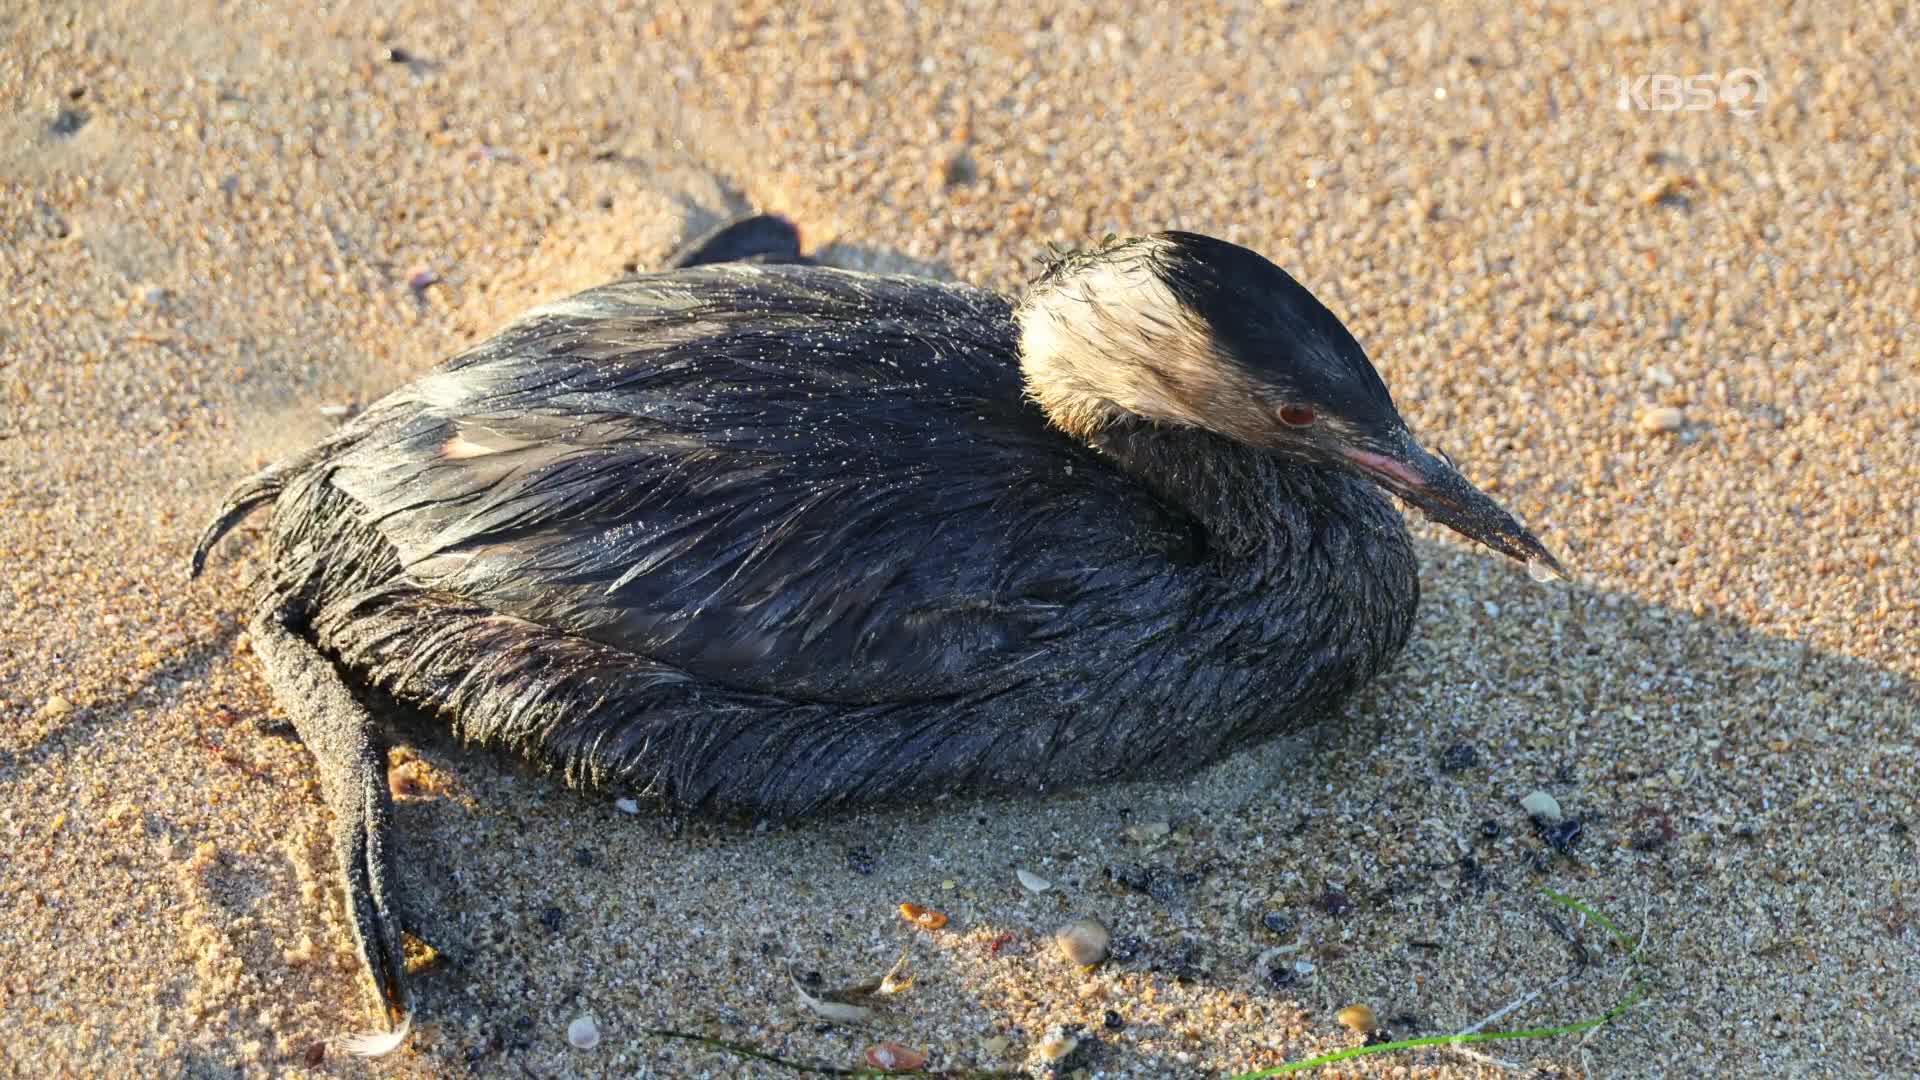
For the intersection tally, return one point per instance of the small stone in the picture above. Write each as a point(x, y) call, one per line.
point(1277, 922)
point(1358, 1017)
point(1541, 805)
point(1083, 941)
point(1335, 902)
point(1490, 829)
point(1148, 831)
point(583, 1033)
point(55, 707)
point(626, 806)
point(1562, 835)
point(68, 121)
point(1459, 757)
point(893, 1057)
point(1662, 418)
point(997, 1045)
point(1113, 1021)
point(420, 278)
point(1033, 882)
point(1303, 967)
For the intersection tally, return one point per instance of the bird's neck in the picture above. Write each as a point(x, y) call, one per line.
point(1253, 505)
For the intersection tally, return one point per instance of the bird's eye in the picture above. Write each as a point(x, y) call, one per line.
point(1296, 415)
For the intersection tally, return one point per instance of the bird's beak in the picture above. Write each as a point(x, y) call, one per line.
point(1436, 487)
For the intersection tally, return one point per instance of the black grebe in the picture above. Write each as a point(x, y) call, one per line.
point(768, 536)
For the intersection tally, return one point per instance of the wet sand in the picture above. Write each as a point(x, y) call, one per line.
point(1680, 343)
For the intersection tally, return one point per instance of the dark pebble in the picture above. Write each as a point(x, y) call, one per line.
point(1113, 1021)
point(583, 858)
point(860, 860)
point(1562, 835)
point(1473, 875)
point(1277, 922)
point(1334, 902)
point(398, 55)
point(1281, 975)
point(1898, 828)
point(1158, 882)
point(553, 919)
point(68, 121)
point(1459, 757)
point(1124, 949)
point(1182, 962)
point(1490, 829)
point(811, 979)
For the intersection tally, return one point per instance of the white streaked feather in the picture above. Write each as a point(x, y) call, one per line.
point(373, 1044)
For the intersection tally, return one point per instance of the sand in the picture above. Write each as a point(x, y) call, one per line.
point(1681, 343)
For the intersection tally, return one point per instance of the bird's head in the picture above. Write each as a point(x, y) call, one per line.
point(1178, 328)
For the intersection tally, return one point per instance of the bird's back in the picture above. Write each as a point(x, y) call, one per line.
point(794, 480)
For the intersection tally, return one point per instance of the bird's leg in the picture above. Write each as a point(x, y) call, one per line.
point(353, 776)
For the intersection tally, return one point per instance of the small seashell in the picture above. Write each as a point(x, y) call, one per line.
point(1359, 1018)
point(923, 917)
point(997, 1045)
point(895, 1058)
point(583, 1033)
point(1543, 806)
point(1033, 882)
point(1083, 941)
point(1664, 418)
point(626, 806)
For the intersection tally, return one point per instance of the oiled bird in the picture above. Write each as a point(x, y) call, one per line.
point(759, 535)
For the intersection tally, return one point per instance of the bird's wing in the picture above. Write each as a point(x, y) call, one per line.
point(800, 481)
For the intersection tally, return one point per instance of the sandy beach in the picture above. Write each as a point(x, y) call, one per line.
point(1670, 323)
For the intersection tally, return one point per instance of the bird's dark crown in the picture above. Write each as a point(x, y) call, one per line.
point(1182, 328)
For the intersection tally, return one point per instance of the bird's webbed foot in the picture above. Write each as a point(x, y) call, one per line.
point(760, 238)
point(352, 763)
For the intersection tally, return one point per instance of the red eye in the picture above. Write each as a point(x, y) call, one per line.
point(1296, 415)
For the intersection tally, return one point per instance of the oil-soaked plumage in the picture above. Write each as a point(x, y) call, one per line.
point(775, 537)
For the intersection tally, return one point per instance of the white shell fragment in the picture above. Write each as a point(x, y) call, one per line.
point(1056, 1045)
point(626, 806)
point(837, 1011)
point(1543, 806)
point(583, 1033)
point(1032, 881)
